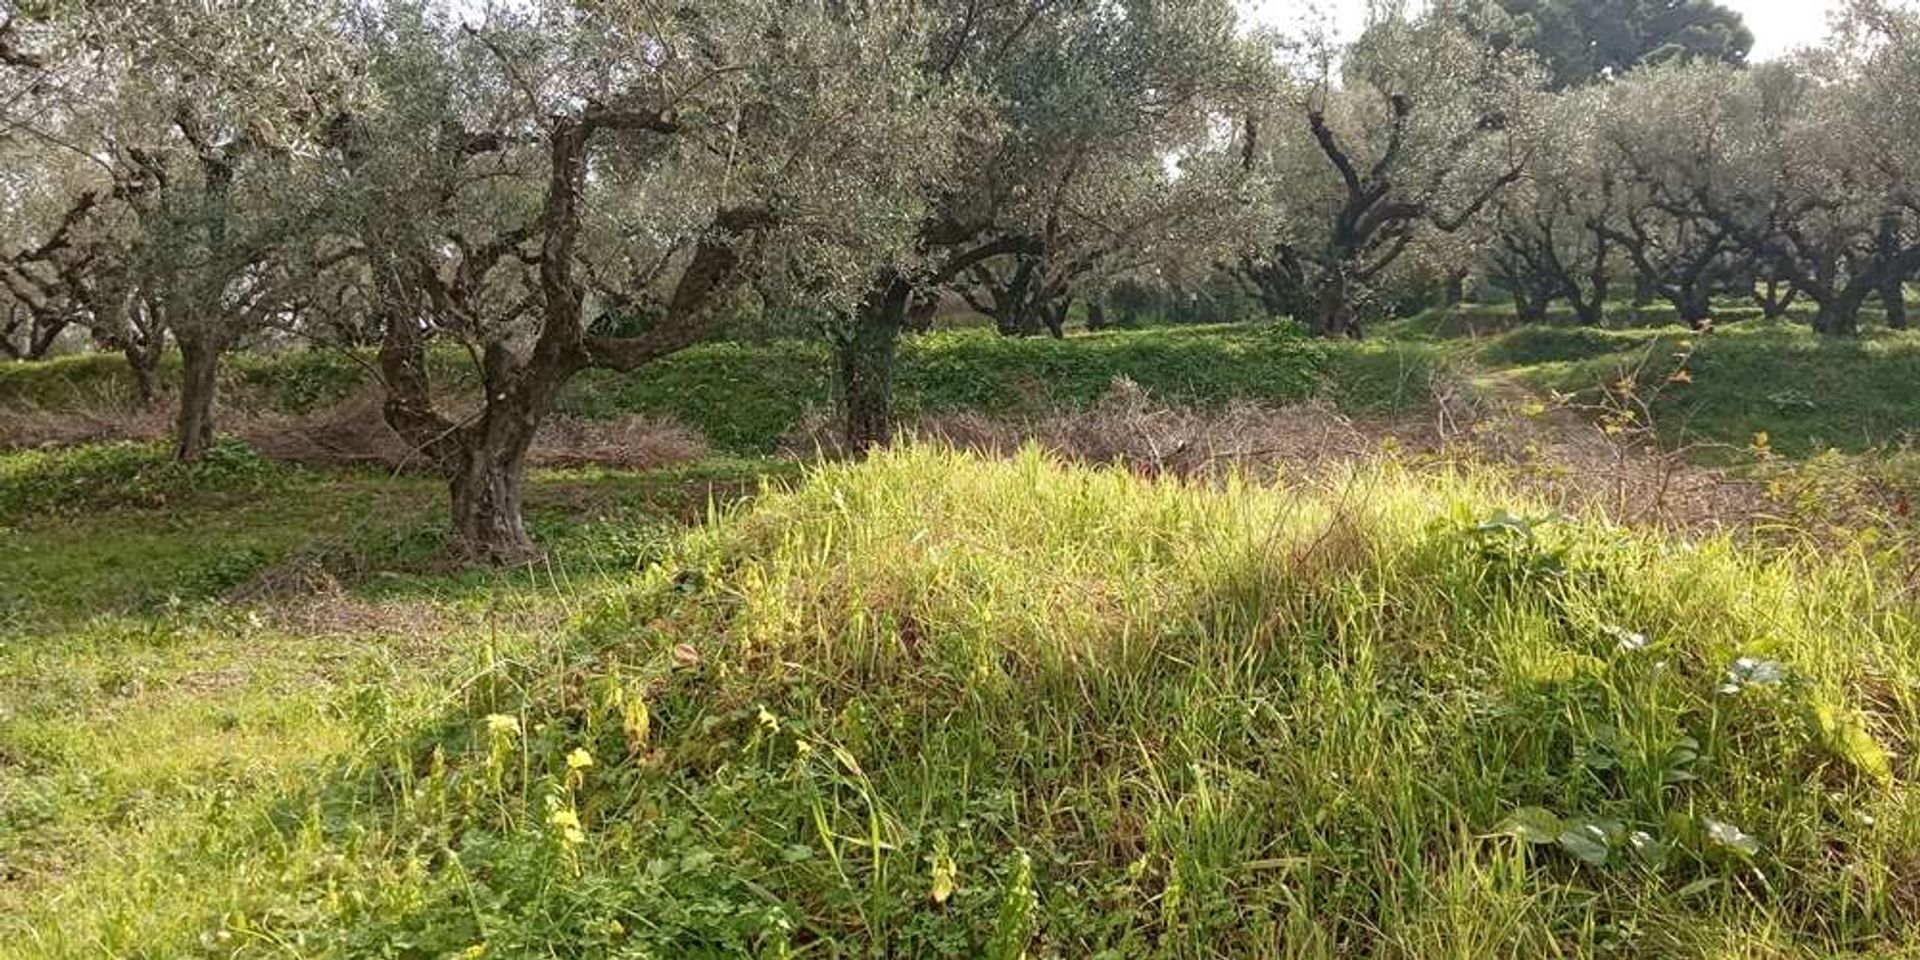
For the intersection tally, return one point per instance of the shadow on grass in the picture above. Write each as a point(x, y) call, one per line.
point(192, 538)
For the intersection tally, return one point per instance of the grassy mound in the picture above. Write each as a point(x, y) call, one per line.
point(1807, 392)
point(125, 474)
point(934, 706)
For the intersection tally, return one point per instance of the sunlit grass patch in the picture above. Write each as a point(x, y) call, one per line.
point(939, 706)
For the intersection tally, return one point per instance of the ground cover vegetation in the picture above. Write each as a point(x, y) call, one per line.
point(956, 478)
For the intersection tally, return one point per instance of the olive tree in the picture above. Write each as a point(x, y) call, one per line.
point(189, 126)
point(1857, 235)
point(1550, 239)
point(1665, 135)
point(1422, 130)
point(533, 177)
point(1068, 104)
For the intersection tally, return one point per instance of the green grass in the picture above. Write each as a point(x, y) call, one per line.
point(934, 706)
point(1482, 319)
point(121, 529)
point(746, 398)
point(1807, 392)
point(143, 716)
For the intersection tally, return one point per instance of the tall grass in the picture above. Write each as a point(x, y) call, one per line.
point(938, 706)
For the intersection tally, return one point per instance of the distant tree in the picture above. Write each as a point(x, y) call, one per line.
point(1581, 41)
point(1877, 51)
point(1069, 92)
point(1112, 214)
point(1425, 128)
point(1668, 137)
point(178, 136)
point(1551, 238)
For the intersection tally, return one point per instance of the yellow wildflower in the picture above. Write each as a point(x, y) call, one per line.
point(568, 823)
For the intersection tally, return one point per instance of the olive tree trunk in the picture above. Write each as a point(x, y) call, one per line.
point(199, 369)
point(487, 483)
point(1334, 315)
point(865, 356)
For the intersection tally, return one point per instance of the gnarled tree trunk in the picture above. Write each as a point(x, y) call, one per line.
point(1591, 311)
point(1774, 297)
point(1695, 305)
point(865, 357)
point(145, 366)
point(1054, 315)
point(487, 481)
point(1530, 308)
point(1334, 314)
point(199, 369)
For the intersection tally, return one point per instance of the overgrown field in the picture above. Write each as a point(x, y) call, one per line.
point(1384, 703)
point(939, 706)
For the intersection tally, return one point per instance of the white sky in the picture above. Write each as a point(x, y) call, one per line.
point(1778, 25)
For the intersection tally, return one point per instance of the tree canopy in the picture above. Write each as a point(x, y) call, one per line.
point(1580, 41)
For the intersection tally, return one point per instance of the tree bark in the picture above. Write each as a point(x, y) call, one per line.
point(145, 366)
point(1893, 295)
point(1333, 308)
point(1695, 305)
point(865, 358)
point(1839, 313)
point(193, 425)
point(487, 487)
point(1773, 300)
point(1644, 289)
point(1530, 309)
point(1055, 317)
point(1096, 315)
point(1591, 311)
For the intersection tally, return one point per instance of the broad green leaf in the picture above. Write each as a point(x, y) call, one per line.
point(1842, 733)
point(1586, 841)
point(1532, 824)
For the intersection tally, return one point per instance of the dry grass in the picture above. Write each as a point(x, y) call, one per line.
point(632, 442)
point(1558, 456)
point(95, 421)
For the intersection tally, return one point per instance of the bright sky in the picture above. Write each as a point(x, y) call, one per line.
point(1778, 25)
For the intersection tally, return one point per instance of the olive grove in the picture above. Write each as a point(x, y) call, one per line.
point(480, 202)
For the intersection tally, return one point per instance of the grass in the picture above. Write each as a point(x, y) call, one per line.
point(936, 706)
point(1806, 392)
point(121, 529)
point(745, 398)
point(144, 715)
